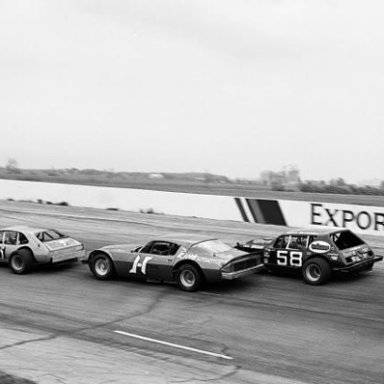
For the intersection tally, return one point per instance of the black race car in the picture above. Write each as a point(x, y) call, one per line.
point(315, 252)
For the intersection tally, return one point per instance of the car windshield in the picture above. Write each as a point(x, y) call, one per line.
point(49, 235)
point(213, 246)
point(346, 239)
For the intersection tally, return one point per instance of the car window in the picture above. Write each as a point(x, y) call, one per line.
point(212, 246)
point(10, 237)
point(173, 249)
point(281, 242)
point(163, 248)
point(298, 242)
point(22, 238)
point(49, 235)
point(345, 240)
point(147, 247)
point(160, 248)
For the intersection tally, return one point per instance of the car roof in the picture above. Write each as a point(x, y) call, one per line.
point(24, 228)
point(322, 230)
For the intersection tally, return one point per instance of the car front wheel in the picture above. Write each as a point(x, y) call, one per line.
point(316, 271)
point(102, 267)
point(188, 278)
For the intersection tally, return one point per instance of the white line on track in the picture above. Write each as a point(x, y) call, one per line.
point(174, 345)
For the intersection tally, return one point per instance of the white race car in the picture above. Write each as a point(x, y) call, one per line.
point(22, 247)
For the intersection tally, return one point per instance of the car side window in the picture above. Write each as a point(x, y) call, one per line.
point(298, 242)
point(160, 248)
point(10, 238)
point(1, 237)
point(281, 242)
point(173, 249)
point(164, 248)
point(304, 242)
point(147, 248)
point(22, 238)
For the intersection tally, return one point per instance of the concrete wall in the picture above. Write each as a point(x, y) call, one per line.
point(361, 219)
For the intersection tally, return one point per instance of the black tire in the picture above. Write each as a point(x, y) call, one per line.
point(102, 267)
point(316, 271)
point(189, 278)
point(21, 262)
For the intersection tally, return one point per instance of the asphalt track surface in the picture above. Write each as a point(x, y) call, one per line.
point(61, 325)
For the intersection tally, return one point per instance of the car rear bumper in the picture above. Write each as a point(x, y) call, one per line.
point(360, 266)
point(85, 258)
point(242, 273)
point(67, 256)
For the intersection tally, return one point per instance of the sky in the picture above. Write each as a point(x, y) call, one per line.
point(232, 87)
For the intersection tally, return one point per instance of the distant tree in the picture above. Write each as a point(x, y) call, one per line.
point(12, 166)
point(339, 182)
point(51, 172)
point(208, 178)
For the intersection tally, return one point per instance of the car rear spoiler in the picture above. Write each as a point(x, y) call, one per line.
point(254, 244)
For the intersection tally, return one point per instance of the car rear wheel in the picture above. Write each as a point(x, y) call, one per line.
point(316, 271)
point(188, 278)
point(21, 262)
point(102, 267)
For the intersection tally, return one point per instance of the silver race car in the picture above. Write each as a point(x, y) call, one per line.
point(187, 262)
point(22, 247)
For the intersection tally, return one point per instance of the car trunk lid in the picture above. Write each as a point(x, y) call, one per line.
point(65, 249)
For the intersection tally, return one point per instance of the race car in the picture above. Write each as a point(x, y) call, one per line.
point(22, 247)
point(315, 252)
point(188, 262)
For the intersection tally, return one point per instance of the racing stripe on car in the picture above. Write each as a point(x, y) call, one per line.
point(241, 209)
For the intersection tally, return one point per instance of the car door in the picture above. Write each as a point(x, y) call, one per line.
point(10, 243)
point(157, 260)
point(128, 262)
point(289, 251)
